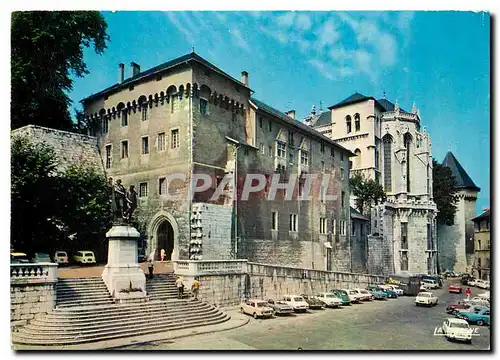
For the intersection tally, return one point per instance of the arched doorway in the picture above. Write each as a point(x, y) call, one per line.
point(164, 240)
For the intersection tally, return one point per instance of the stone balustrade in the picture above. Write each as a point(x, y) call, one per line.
point(33, 273)
point(209, 267)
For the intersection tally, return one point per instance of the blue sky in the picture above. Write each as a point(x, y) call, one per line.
point(439, 60)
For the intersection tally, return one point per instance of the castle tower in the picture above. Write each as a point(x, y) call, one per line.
point(455, 242)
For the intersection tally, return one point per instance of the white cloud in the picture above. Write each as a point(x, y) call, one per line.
point(303, 22)
point(286, 19)
point(322, 68)
point(187, 34)
point(239, 40)
point(327, 34)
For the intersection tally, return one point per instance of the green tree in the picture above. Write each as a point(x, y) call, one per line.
point(46, 48)
point(443, 191)
point(368, 193)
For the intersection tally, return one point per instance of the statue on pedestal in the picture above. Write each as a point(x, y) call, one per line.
point(123, 203)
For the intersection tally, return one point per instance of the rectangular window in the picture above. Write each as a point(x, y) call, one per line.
point(175, 138)
point(302, 182)
point(293, 222)
point(108, 156)
point(162, 186)
point(161, 141)
point(246, 151)
point(404, 236)
point(334, 226)
point(304, 158)
point(260, 121)
point(203, 106)
point(145, 145)
point(341, 174)
point(341, 156)
point(290, 157)
point(404, 261)
point(270, 126)
point(270, 149)
point(290, 138)
point(105, 125)
point(353, 229)
point(343, 199)
point(322, 166)
point(323, 226)
point(281, 149)
point(262, 148)
point(274, 220)
point(361, 229)
point(124, 118)
point(124, 149)
point(322, 147)
point(173, 101)
point(332, 152)
point(144, 113)
point(430, 242)
point(342, 227)
point(143, 189)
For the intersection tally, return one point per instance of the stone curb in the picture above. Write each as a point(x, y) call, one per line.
point(237, 320)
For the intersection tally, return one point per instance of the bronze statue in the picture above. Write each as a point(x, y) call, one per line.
point(131, 203)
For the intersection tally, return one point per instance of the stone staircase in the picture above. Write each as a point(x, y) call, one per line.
point(84, 314)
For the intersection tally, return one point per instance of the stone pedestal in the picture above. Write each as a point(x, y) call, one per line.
point(122, 275)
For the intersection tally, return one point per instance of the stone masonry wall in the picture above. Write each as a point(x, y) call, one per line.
point(28, 300)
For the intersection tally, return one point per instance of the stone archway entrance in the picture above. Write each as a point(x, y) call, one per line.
point(164, 240)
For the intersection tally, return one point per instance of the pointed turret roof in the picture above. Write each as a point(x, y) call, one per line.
point(463, 180)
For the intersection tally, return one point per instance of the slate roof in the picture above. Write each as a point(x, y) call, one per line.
point(357, 215)
point(323, 119)
point(389, 106)
point(270, 110)
point(463, 180)
point(354, 98)
point(484, 215)
point(169, 64)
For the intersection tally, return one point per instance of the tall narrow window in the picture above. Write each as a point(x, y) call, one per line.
point(270, 126)
point(343, 199)
point(353, 228)
point(304, 158)
point(203, 106)
point(357, 125)
point(108, 156)
point(175, 138)
point(341, 174)
point(124, 118)
point(387, 141)
point(332, 152)
point(404, 236)
point(404, 261)
point(293, 222)
point(144, 112)
point(262, 148)
point(143, 189)
point(161, 141)
point(260, 121)
point(322, 166)
point(162, 186)
point(290, 157)
point(322, 225)
point(348, 123)
point(124, 149)
point(105, 124)
point(334, 226)
point(274, 220)
point(430, 240)
point(173, 103)
point(407, 141)
point(281, 149)
point(322, 147)
point(290, 138)
point(145, 145)
point(270, 151)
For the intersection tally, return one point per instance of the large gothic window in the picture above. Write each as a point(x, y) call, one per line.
point(348, 123)
point(387, 140)
point(407, 142)
point(357, 125)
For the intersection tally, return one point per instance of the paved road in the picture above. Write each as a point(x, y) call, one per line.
point(394, 324)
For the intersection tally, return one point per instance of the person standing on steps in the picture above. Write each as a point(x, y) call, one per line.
point(195, 287)
point(162, 255)
point(150, 268)
point(180, 287)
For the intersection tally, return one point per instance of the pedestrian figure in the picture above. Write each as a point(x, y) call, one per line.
point(162, 254)
point(467, 293)
point(150, 268)
point(195, 288)
point(180, 287)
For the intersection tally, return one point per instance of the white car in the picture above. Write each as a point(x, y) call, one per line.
point(472, 282)
point(61, 257)
point(426, 298)
point(353, 295)
point(457, 329)
point(365, 294)
point(329, 299)
point(483, 284)
point(297, 302)
point(430, 284)
point(477, 301)
point(485, 295)
point(394, 288)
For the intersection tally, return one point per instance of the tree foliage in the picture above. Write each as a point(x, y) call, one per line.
point(46, 47)
point(443, 191)
point(368, 193)
point(54, 209)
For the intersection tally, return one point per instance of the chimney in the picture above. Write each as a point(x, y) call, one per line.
point(485, 209)
point(121, 72)
point(136, 69)
point(291, 113)
point(244, 77)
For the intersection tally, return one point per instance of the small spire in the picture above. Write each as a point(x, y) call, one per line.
point(414, 110)
point(313, 110)
point(320, 106)
point(193, 49)
point(449, 146)
point(396, 106)
point(385, 96)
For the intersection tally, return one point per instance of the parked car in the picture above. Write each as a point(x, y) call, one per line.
point(19, 258)
point(465, 279)
point(386, 290)
point(329, 299)
point(61, 257)
point(457, 329)
point(482, 284)
point(485, 295)
point(365, 294)
point(342, 295)
point(256, 308)
point(455, 289)
point(472, 282)
point(454, 307)
point(84, 257)
point(477, 301)
point(479, 315)
point(353, 295)
point(41, 258)
point(393, 288)
point(280, 307)
point(377, 293)
point(426, 298)
point(313, 302)
point(430, 283)
point(436, 278)
point(296, 302)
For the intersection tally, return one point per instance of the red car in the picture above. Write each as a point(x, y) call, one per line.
point(455, 289)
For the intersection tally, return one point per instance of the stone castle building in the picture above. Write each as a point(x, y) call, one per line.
point(162, 128)
point(456, 242)
point(482, 246)
point(391, 147)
